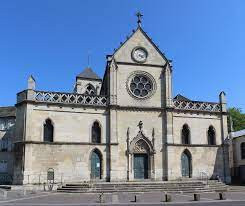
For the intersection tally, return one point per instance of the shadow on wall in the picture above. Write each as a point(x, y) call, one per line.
point(220, 164)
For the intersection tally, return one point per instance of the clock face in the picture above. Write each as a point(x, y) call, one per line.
point(139, 54)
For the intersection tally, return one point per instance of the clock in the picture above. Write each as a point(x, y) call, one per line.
point(139, 54)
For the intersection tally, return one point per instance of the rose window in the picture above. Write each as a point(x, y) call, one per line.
point(141, 86)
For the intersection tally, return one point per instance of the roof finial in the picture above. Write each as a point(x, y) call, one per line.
point(89, 59)
point(139, 16)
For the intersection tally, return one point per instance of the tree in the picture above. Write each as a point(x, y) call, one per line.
point(238, 118)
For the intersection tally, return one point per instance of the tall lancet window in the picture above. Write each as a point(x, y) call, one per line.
point(96, 132)
point(211, 136)
point(48, 134)
point(185, 134)
point(90, 90)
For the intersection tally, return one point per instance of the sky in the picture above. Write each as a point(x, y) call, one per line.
point(52, 40)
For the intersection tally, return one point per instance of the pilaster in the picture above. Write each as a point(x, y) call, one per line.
point(224, 137)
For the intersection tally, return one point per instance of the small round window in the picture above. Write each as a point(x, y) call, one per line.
point(141, 85)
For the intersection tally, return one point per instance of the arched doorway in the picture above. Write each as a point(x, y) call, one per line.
point(186, 165)
point(141, 160)
point(96, 164)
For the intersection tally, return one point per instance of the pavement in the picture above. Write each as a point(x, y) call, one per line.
point(18, 198)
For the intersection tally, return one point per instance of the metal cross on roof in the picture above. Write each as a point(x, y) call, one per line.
point(139, 16)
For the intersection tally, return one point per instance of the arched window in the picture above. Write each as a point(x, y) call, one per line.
point(90, 90)
point(185, 134)
point(243, 150)
point(211, 136)
point(48, 134)
point(96, 132)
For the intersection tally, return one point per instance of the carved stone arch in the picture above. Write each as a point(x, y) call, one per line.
point(185, 134)
point(141, 144)
point(97, 151)
point(48, 130)
point(187, 152)
point(97, 132)
point(50, 119)
point(211, 135)
point(90, 89)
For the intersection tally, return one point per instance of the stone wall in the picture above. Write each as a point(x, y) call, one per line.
point(71, 163)
point(206, 159)
point(70, 124)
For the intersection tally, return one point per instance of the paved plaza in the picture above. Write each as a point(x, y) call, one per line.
point(53, 198)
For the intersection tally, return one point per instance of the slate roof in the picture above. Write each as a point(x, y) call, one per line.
point(7, 111)
point(238, 133)
point(88, 73)
point(181, 98)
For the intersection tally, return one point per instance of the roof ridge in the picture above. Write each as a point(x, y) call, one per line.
point(88, 73)
point(181, 97)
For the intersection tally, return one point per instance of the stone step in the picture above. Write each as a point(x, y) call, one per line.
point(236, 188)
point(133, 185)
point(148, 187)
point(181, 186)
point(138, 191)
point(190, 190)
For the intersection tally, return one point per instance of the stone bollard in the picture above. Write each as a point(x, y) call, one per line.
point(168, 198)
point(115, 198)
point(101, 198)
point(222, 196)
point(3, 194)
point(196, 197)
point(44, 186)
point(134, 198)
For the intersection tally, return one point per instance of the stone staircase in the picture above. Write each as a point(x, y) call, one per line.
point(168, 186)
point(236, 188)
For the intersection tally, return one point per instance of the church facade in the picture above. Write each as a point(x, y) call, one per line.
point(124, 127)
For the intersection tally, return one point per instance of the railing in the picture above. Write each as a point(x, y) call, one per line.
point(42, 178)
point(69, 98)
point(196, 106)
point(204, 177)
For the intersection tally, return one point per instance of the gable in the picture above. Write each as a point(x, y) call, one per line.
point(140, 39)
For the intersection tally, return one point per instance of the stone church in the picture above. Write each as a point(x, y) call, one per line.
point(126, 126)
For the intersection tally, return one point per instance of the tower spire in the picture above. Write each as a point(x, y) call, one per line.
point(139, 16)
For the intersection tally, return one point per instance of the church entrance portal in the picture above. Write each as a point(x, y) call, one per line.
point(140, 166)
point(140, 156)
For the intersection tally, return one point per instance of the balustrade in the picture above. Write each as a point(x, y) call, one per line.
point(70, 98)
point(198, 106)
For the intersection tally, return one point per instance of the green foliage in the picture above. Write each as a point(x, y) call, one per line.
point(238, 119)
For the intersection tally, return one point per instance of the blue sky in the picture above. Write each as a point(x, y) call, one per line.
point(51, 40)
